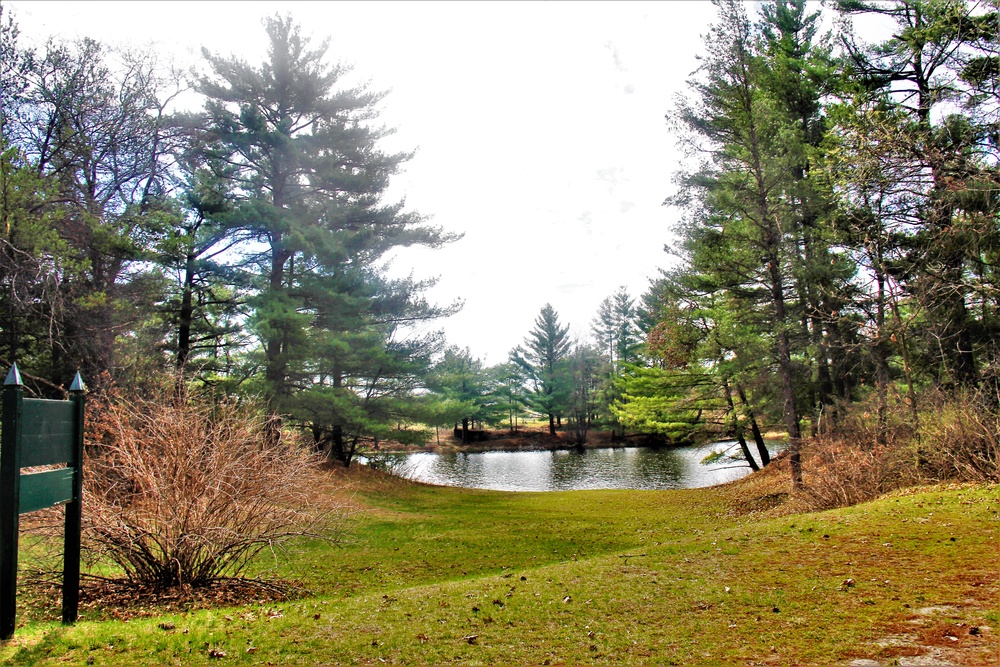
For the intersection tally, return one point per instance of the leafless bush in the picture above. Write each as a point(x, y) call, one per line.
point(961, 441)
point(958, 439)
point(184, 492)
point(842, 474)
point(859, 423)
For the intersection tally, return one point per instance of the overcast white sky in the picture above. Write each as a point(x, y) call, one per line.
point(539, 130)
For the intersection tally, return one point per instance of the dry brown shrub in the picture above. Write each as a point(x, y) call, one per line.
point(960, 441)
point(841, 473)
point(184, 491)
point(957, 440)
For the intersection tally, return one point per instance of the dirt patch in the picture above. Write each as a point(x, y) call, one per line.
point(119, 599)
point(928, 639)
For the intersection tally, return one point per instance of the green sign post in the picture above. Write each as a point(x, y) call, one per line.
point(39, 432)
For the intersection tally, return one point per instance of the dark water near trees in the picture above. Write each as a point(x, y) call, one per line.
point(604, 468)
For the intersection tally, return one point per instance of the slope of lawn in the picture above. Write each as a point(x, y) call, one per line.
point(432, 575)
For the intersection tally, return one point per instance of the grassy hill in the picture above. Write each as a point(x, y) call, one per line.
point(727, 575)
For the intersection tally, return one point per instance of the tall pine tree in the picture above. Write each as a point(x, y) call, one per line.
point(309, 181)
point(543, 358)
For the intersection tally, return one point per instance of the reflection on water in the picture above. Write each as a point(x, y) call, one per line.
point(604, 468)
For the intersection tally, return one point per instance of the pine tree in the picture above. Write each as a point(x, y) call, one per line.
point(460, 381)
point(92, 122)
point(542, 357)
point(738, 234)
point(616, 330)
point(919, 107)
point(309, 181)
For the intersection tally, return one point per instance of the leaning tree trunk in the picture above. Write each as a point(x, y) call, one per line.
point(735, 427)
point(758, 437)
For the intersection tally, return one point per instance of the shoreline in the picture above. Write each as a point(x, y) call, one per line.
point(540, 440)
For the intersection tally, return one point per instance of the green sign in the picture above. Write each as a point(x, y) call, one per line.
point(38, 432)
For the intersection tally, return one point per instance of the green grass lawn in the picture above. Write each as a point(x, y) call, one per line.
point(450, 576)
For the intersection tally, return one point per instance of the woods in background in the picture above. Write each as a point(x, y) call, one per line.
point(837, 244)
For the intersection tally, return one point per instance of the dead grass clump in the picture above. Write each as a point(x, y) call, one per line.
point(184, 491)
point(764, 493)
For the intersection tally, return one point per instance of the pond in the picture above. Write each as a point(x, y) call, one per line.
point(565, 470)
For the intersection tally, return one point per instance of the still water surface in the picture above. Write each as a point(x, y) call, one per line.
point(604, 468)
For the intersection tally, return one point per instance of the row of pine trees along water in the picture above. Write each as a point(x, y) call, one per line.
point(832, 262)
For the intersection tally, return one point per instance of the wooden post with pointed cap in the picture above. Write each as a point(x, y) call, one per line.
point(10, 492)
point(74, 509)
point(39, 432)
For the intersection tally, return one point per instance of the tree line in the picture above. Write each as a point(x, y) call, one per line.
point(839, 237)
point(237, 248)
point(837, 246)
point(836, 241)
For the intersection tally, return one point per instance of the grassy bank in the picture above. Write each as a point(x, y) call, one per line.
point(438, 575)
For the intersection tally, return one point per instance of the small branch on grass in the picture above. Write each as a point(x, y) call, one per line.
point(627, 556)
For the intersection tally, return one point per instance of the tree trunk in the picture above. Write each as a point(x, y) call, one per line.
point(881, 361)
point(186, 316)
point(758, 437)
point(784, 357)
point(274, 363)
point(735, 427)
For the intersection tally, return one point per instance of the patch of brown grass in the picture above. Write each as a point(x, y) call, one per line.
point(841, 474)
point(764, 493)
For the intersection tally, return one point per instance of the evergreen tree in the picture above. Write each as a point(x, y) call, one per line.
point(616, 330)
point(462, 383)
point(308, 179)
point(919, 106)
point(586, 381)
point(93, 124)
point(205, 308)
point(510, 379)
point(542, 357)
point(740, 236)
point(798, 71)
